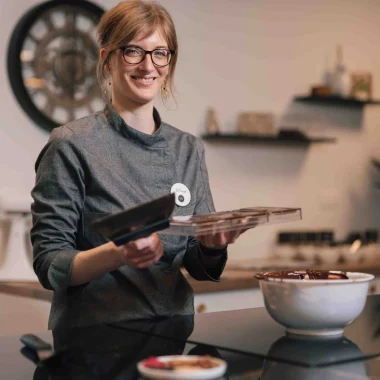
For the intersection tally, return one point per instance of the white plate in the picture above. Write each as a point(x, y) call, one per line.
point(189, 374)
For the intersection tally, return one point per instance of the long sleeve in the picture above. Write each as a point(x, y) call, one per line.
point(96, 166)
point(205, 205)
point(58, 201)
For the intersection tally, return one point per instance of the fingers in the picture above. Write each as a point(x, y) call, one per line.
point(144, 260)
point(220, 239)
point(148, 243)
point(143, 252)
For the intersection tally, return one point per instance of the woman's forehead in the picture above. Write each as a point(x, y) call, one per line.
point(150, 40)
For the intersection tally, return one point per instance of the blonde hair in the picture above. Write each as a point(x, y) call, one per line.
point(119, 25)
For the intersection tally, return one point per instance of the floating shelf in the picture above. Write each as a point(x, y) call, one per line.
point(278, 140)
point(376, 163)
point(336, 101)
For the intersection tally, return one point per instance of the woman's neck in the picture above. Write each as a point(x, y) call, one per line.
point(138, 117)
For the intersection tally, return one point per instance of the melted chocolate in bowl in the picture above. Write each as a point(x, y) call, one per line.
point(307, 274)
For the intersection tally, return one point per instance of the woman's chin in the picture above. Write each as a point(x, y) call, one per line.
point(135, 97)
point(144, 98)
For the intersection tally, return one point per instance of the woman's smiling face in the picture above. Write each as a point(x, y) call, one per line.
point(138, 83)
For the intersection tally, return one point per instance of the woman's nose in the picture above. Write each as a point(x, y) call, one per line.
point(147, 63)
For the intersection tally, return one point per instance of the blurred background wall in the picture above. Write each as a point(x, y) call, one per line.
point(251, 55)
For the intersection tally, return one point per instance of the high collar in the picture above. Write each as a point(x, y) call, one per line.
point(133, 134)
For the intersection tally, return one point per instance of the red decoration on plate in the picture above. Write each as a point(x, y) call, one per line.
point(152, 362)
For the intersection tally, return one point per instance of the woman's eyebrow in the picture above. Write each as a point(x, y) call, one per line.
point(157, 47)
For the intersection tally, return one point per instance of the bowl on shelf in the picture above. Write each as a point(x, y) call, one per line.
point(319, 307)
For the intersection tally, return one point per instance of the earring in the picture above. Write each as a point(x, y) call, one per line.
point(107, 76)
point(164, 90)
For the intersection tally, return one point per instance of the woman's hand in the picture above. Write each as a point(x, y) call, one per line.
point(219, 240)
point(141, 253)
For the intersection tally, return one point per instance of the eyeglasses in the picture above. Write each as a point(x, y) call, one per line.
point(134, 55)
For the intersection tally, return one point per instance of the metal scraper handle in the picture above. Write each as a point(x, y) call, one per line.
point(35, 343)
point(142, 232)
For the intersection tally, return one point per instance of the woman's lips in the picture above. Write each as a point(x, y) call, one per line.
point(144, 81)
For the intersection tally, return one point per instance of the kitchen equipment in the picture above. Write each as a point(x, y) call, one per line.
point(41, 349)
point(16, 255)
point(155, 215)
point(65, 362)
point(4, 237)
point(137, 222)
point(315, 307)
point(244, 218)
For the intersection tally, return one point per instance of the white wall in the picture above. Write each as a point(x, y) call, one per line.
point(278, 50)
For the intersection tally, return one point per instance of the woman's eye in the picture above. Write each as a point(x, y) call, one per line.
point(160, 53)
point(131, 52)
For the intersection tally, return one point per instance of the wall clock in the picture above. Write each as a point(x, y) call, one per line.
point(51, 62)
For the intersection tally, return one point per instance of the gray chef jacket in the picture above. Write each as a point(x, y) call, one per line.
point(99, 165)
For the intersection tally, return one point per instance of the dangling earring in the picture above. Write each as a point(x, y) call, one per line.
point(107, 77)
point(164, 90)
point(108, 88)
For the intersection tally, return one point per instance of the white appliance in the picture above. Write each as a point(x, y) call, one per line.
point(15, 247)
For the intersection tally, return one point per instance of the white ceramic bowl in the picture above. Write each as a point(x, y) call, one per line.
point(316, 307)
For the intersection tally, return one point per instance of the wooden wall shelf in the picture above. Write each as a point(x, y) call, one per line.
point(278, 140)
point(336, 101)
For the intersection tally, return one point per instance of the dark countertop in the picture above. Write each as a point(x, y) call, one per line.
point(253, 345)
point(235, 277)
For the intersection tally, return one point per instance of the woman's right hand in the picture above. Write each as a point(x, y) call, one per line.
point(105, 258)
point(141, 253)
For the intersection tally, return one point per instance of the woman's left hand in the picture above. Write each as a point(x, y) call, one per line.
point(219, 240)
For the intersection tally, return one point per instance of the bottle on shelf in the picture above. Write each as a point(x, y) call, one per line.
point(212, 123)
point(340, 76)
point(327, 75)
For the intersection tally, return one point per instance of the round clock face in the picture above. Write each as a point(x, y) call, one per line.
point(52, 60)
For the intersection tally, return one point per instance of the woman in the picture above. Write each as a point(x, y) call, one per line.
point(114, 160)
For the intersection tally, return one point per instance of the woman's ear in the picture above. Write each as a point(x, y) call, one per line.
point(104, 58)
point(102, 53)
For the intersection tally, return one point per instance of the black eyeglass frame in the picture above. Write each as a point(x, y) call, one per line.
point(150, 52)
